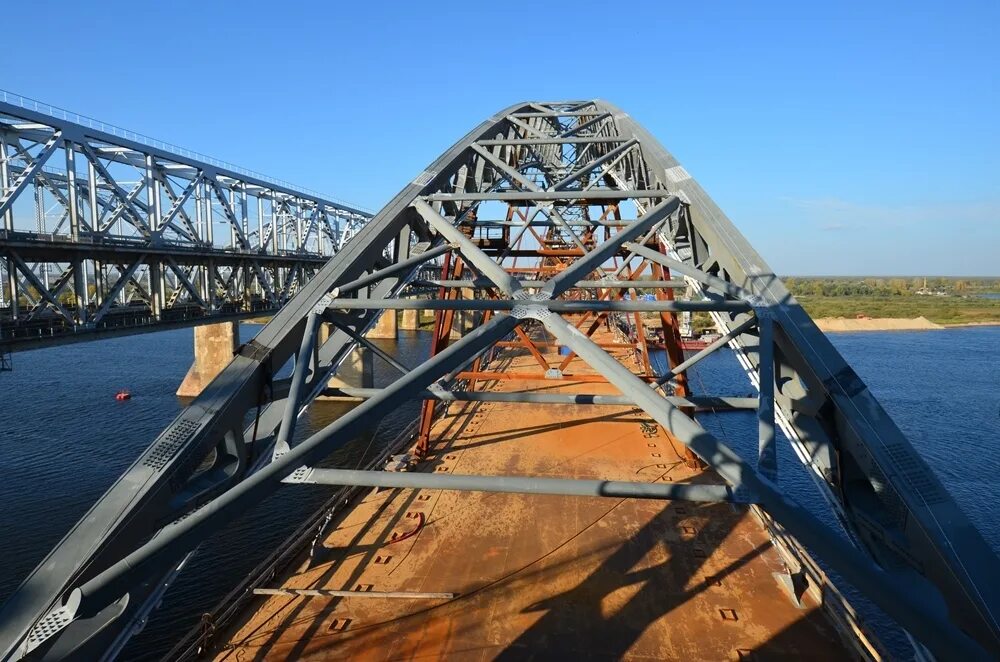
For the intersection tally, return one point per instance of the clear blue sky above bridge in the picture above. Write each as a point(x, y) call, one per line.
point(842, 138)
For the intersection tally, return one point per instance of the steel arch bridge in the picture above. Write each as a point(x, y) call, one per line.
point(542, 221)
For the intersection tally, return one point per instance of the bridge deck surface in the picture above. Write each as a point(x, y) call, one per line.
point(541, 576)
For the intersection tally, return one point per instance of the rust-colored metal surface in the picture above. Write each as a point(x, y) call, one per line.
point(541, 576)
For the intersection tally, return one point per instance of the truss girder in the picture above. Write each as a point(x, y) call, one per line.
point(909, 548)
point(75, 199)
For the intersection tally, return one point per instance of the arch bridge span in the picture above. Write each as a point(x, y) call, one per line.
point(548, 224)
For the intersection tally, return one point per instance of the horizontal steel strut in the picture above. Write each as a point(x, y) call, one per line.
point(517, 485)
point(566, 175)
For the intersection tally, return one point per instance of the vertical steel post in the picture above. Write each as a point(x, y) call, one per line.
point(274, 224)
point(442, 331)
point(260, 243)
point(72, 203)
point(244, 218)
point(8, 215)
point(73, 207)
point(302, 362)
point(157, 288)
point(95, 210)
point(232, 221)
point(675, 354)
point(152, 197)
point(42, 225)
point(95, 226)
point(767, 459)
point(260, 223)
point(298, 226)
point(209, 217)
point(8, 224)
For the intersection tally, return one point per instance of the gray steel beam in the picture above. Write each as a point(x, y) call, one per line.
point(580, 284)
point(180, 537)
point(372, 347)
point(403, 266)
point(527, 142)
point(482, 262)
point(590, 262)
point(586, 125)
point(574, 223)
point(723, 340)
point(518, 485)
point(767, 452)
point(867, 452)
point(708, 280)
point(711, 402)
point(294, 400)
point(894, 593)
point(364, 595)
point(556, 305)
point(14, 188)
point(611, 155)
point(548, 196)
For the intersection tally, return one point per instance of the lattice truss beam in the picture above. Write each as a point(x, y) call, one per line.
point(100, 231)
point(537, 227)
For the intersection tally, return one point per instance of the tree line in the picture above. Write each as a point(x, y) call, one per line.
point(840, 287)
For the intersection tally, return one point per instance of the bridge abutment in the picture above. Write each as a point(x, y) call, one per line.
point(214, 345)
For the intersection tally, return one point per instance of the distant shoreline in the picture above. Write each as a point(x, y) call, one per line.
point(847, 325)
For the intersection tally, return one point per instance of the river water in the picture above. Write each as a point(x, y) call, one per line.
point(64, 439)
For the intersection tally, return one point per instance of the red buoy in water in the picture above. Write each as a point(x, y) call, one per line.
point(122, 395)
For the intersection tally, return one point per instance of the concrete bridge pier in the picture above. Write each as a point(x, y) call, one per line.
point(415, 320)
point(410, 320)
point(386, 327)
point(465, 320)
point(357, 370)
point(214, 346)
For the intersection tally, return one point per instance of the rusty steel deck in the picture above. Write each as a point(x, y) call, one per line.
point(541, 576)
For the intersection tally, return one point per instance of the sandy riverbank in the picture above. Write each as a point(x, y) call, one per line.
point(833, 324)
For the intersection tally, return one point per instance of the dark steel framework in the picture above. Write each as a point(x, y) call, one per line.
point(105, 232)
point(539, 222)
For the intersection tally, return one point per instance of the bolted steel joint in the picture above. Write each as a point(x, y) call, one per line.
point(530, 311)
point(324, 303)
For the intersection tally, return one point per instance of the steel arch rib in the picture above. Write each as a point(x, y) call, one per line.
point(98, 581)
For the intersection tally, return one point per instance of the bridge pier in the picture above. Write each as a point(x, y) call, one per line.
point(386, 326)
point(465, 320)
point(357, 370)
point(409, 320)
point(214, 345)
point(414, 320)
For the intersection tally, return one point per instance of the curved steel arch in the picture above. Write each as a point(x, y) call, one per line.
point(914, 554)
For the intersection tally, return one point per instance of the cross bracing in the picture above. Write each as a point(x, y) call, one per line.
point(107, 233)
point(545, 222)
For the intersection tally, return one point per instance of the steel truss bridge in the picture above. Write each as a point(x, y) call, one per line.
point(105, 232)
point(545, 219)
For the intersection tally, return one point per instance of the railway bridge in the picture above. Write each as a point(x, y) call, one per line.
point(546, 225)
point(106, 232)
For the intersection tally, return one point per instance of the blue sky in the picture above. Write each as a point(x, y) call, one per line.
point(841, 138)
